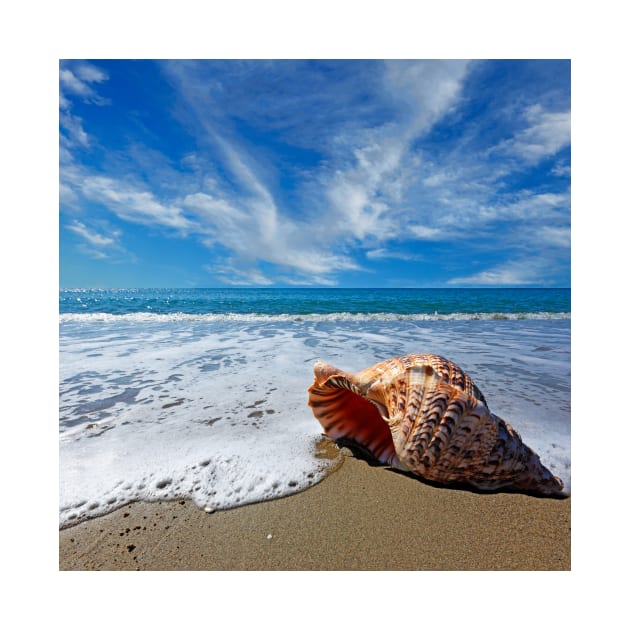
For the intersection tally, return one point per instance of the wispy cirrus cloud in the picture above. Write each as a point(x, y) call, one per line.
point(91, 236)
point(424, 233)
point(384, 254)
point(96, 243)
point(556, 236)
point(127, 201)
point(546, 133)
point(561, 169)
point(135, 204)
point(303, 172)
point(366, 174)
point(464, 196)
point(75, 133)
point(245, 217)
point(233, 275)
point(252, 232)
point(248, 226)
point(77, 79)
point(364, 193)
point(75, 82)
point(524, 271)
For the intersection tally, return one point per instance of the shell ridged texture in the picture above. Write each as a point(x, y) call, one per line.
point(422, 413)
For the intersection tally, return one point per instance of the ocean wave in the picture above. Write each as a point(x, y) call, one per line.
point(310, 317)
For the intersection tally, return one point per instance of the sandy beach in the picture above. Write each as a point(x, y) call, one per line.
point(361, 517)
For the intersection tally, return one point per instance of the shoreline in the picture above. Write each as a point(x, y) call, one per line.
point(360, 517)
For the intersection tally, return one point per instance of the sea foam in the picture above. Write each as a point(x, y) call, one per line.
point(148, 317)
point(216, 410)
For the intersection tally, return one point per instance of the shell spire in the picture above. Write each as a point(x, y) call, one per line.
point(423, 414)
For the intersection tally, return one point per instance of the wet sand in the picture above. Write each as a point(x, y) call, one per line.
point(361, 517)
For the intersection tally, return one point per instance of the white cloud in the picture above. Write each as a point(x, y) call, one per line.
point(557, 236)
point(96, 244)
point(547, 133)
point(561, 170)
point(364, 180)
point(75, 134)
point(67, 196)
point(523, 271)
point(76, 81)
point(71, 84)
point(355, 210)
point(251, 231)
point(243, 216)
point(437, 179)
point(363, 194)
point(383, 254)
point(91, 74)
point(64, 103)
point(507, 277)
point(469, 210)
point(429, 89)
point(92, 237)
point(423, 232)
point(127, 201)
point(246, 224)
point(263, 210)
point(371, 187)
point(527, 206)
point(237, 276)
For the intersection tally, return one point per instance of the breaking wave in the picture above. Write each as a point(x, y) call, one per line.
point(309, 317)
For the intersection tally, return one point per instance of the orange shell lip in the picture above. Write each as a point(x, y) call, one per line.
point(348, 415)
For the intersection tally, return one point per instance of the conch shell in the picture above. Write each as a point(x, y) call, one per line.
point(423, 414)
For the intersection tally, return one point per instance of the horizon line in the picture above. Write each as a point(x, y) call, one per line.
point(307, 287)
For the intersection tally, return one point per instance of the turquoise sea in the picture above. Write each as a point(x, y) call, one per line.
point(201, 393)
point(463, 303)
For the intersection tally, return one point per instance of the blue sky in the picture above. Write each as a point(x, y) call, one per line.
point(315, 173)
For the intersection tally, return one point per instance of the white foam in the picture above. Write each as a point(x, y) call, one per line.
point(217, 411)
point(309, 317)
point(163, 414)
